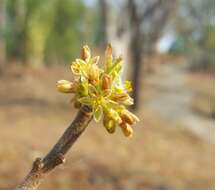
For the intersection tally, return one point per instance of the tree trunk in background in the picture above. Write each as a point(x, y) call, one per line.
point(135, 50)
point(117, 31)
point(125, 29)
point(155, 15)
point(104, 17)
point(2, 30)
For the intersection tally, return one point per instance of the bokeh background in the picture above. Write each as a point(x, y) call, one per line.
point(168, 48)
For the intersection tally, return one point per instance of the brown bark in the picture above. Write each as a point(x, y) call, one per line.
point(137, 37)
point(42, 167)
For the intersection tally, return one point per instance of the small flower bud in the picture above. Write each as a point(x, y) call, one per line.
point(106, 82)
point(128, 117)
point(66, 86)
point(108, 56)
point(93, 75)
point(85, 53)
point(126, 129)
point(120, 97)
point(114, 115)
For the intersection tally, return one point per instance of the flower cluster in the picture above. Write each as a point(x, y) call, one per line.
point(102, 90)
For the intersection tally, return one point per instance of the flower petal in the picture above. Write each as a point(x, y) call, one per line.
point(76, 68)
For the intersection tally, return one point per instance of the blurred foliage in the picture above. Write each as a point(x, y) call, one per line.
point(52, 31)
point(49, 31)
point(210, 41)
point(196, 31)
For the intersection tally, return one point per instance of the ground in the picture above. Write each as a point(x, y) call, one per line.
point(164, 154)
point(185, 98)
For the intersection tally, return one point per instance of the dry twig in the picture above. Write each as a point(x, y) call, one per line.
point(42, 167)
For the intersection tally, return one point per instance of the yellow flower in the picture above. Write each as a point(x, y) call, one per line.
point(102, 90)
point(87, 69)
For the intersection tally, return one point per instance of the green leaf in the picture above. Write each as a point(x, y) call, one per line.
point(92, 90)
point(97, 113)
point(128, 86)
point(83, 87)
point(85, 100)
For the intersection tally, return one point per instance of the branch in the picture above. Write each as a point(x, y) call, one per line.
point(41, 167)
point(150, 10)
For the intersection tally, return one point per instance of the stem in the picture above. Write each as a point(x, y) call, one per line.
point(41, 167)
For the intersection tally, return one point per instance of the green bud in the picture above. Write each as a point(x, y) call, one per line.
point(110, 125)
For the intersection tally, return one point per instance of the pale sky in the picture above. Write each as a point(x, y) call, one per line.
point(166, 42)
point(90, 2)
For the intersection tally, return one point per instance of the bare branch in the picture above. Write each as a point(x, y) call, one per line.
point(150, 10)
point(41, 167)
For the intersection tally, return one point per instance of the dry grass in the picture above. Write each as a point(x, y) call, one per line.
point(160, 156)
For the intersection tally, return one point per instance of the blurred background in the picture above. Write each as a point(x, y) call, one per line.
point(168, 48)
